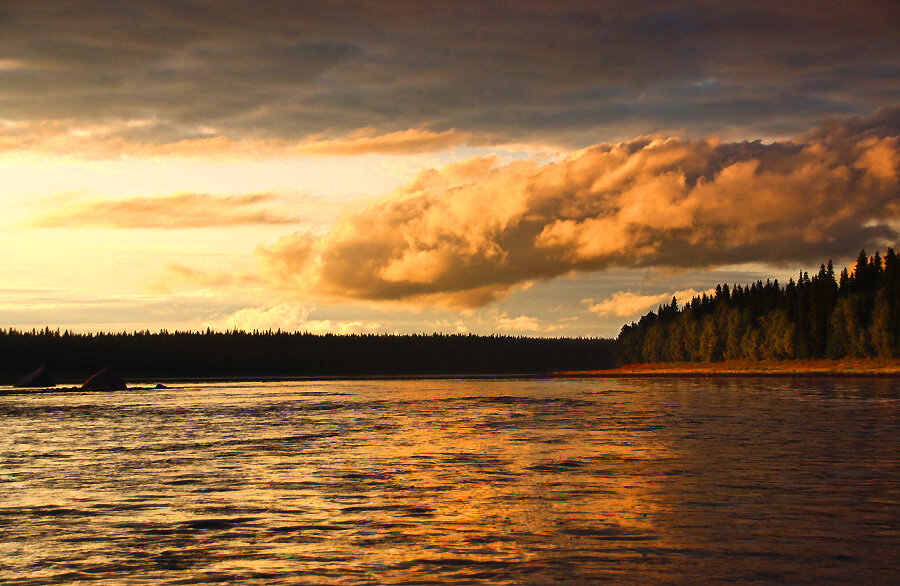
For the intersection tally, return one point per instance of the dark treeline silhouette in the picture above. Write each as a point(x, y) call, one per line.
point(855, 315)
point(274, 354)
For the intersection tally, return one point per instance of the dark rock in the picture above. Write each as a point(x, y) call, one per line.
point(160, 386)
point(39, 378)
point(105, 380)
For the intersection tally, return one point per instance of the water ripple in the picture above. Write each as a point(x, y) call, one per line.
point(454, 481)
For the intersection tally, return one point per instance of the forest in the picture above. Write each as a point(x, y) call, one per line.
point(163, 354)
point(854, 315)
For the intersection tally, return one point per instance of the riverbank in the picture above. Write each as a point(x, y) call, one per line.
point(743, 368)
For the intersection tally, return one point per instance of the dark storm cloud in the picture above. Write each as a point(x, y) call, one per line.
point(522, 70)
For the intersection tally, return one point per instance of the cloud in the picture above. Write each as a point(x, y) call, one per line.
point(68, 137)
point(79, 310)
point(10, 64)
point(523, 323)
point(211, 282)
point(523, 71)
point(626, 303)
point(182, 210)
point(287, 318)
point(404, 142)
point(470, 232)
point(445, 325)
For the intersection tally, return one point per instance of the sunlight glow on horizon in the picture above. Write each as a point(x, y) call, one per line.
point(433, 169)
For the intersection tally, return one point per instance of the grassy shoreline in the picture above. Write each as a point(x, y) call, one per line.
point(845, 367)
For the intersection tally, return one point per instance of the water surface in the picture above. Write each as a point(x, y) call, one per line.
point(454, 481)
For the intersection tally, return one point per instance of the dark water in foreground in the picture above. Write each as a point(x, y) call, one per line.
point(443, 481)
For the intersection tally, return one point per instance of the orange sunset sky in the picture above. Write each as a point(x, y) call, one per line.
point(536, 168)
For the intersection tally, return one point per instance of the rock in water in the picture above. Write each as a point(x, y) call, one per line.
point(105, 380)
point(39, 378)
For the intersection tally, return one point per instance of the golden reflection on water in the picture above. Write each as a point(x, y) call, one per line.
point(501, 481)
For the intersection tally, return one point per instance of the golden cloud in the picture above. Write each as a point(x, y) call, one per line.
point(522, 323)
point(69, 138)
point(404, 142)
point(206, 282)
point(288, 318)
point(626, 303)
point(182, 210)
point(467, 233)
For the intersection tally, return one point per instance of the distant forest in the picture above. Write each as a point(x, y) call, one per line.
point(282, 354)
point(855, 315)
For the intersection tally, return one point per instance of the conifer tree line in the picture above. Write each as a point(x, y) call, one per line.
point(856, 314)
point(74, 357)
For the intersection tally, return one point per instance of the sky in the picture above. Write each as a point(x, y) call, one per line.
point(524, 168)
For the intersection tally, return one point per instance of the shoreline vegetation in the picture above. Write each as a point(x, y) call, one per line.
point(853, 315)
point(820, 325)
point(282, 355)
point(845, 367)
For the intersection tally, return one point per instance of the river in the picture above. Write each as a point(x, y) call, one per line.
point(504, 481)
